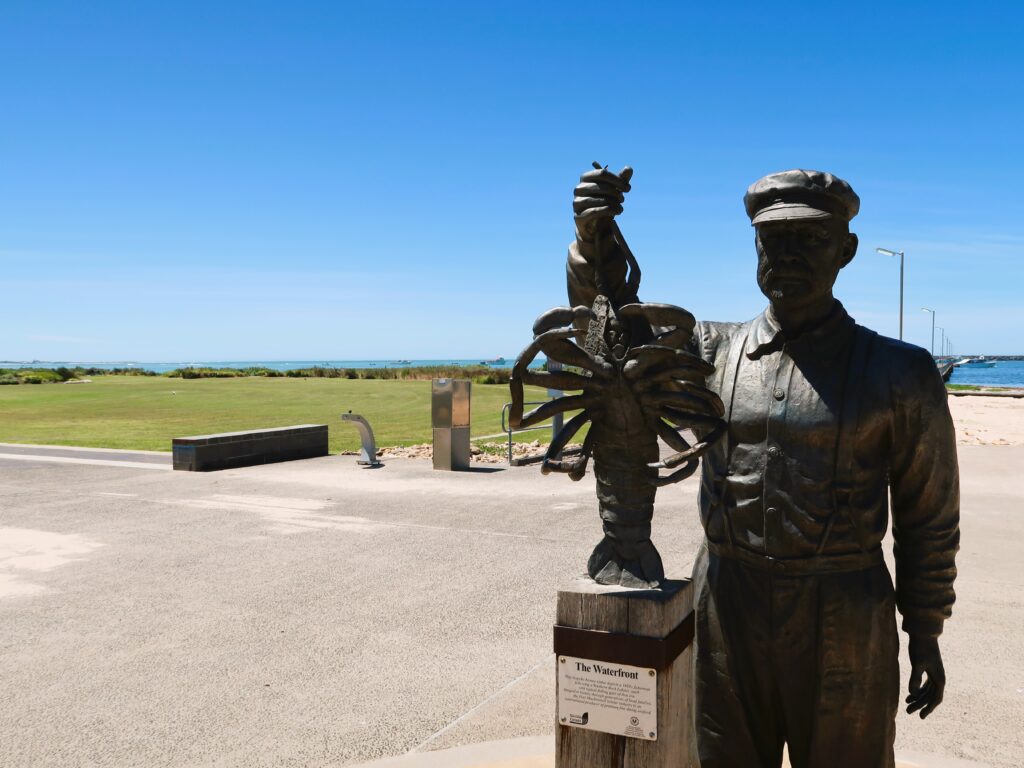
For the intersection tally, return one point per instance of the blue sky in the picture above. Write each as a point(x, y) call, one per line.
point(243, 181)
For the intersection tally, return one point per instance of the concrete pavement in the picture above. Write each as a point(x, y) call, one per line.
point(538, 752)
point(319, 613)
point(63, 454)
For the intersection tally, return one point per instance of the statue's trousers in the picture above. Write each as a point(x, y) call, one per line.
point(810, 661)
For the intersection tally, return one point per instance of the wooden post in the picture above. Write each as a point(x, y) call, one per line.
point(615, 614)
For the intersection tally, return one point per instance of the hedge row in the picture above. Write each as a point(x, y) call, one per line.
point(480, 374)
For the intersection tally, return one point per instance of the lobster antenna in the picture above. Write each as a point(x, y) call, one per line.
point(600, 282)
point(599, 276)
point(633, 281)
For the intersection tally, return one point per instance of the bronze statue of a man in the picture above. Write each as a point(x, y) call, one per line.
point(796, 627)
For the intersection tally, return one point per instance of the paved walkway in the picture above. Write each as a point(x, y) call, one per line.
point(62, 454)
point(538, 752)
point(318, 613)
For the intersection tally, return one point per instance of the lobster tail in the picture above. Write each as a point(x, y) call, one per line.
point(626, 563)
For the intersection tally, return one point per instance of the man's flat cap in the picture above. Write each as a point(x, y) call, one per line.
point(799, 194)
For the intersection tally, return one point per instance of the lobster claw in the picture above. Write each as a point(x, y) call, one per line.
point(660, 314)
point(560, 316)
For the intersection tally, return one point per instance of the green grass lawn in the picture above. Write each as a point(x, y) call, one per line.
point(144, 413)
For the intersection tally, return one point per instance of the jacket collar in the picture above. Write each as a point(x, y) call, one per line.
point(766, 335)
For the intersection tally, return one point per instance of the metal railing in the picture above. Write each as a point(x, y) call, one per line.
point(509, 431)
point(555, 426)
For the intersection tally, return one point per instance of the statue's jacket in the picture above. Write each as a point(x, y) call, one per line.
point(822, 429)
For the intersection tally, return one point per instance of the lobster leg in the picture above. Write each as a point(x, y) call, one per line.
point(674, 440)
point(686, 400)
point(537, 345)
point(674, 338)
point(554, 344)
point(660, 314)
point(664, 357)
point(575, 468)
point(579, 467)
point(681, 420)
point(679, 475)
point(550, 408)
point(521, 369)
point(687, 419)
point(687, 375)
point(674, 381)
point(687, 453)
point(570, 354)
point(551, 464)
point(565, 380)
point(560, 316)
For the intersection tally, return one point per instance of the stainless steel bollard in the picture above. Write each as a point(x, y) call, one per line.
point(449, 416)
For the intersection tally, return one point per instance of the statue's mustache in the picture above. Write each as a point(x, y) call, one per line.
point(788, 268)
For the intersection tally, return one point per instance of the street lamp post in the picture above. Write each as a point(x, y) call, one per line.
point(942, 342)
point(925, 309)
point(887, 252)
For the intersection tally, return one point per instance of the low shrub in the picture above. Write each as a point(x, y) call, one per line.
point(497, 376)
point(80, 371)
point(203, 373)
point(32, 375)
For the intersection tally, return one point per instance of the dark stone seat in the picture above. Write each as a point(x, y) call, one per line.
point(204, 453)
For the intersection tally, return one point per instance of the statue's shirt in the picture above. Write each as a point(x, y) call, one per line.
point(768, 491)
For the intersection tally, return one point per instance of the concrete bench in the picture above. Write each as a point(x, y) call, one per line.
point(203, 453)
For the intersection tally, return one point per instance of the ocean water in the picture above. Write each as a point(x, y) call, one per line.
point(1005, 373)
point(276, 365)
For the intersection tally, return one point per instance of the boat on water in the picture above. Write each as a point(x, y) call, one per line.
point(976, 362)
point(495, 361)
point(402, 362)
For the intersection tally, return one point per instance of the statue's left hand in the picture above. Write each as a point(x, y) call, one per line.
point(925, 659)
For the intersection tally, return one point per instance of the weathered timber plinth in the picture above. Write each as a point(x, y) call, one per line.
point(639, 627)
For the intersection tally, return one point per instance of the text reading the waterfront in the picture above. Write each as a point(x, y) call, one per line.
point(613, 671)
point(612, 698)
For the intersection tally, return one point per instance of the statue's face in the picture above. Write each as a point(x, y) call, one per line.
point(798, 260)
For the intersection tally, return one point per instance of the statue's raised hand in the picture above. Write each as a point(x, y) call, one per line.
point(598, 199)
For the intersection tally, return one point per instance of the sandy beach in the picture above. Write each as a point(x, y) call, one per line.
point(984, 420)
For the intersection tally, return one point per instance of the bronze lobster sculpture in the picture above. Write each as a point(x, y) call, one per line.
point(636, 382)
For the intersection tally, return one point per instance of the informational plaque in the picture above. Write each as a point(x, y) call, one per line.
point(612, 698)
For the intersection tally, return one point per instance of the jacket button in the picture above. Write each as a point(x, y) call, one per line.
point(771, 511)
point(774, 452)
point(779, 394)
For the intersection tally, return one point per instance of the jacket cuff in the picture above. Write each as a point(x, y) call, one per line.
point(923, 626)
